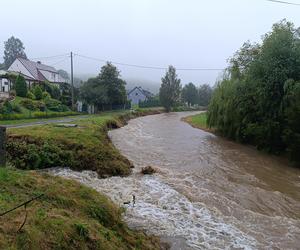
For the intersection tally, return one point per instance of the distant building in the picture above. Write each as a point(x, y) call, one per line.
point(137, 94)
point(36, 72)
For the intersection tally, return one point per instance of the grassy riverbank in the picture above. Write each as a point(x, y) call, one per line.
point(199, 121)
point(68, 216)
point(84, 147)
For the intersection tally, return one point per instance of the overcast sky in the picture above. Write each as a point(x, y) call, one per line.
point(184, 33)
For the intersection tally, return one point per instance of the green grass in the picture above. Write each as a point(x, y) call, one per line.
point(84, 147)
point(68, 216)
point(30, 120)
point(198, 121)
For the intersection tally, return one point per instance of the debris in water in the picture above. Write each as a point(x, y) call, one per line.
point(148, 170)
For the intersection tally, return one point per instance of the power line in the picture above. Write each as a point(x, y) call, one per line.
point(284, 2)
point(148, 67)
point(49, 57)
point(60, 61)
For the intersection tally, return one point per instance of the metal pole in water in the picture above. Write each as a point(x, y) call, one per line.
point(2, 146)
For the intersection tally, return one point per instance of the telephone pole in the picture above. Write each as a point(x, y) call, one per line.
point(72, 82)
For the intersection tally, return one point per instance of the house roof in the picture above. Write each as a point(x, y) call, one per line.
point(34, 68)
point(145, 92)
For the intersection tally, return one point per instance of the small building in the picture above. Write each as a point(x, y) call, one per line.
point(138, 94)
point(5, 84)
point(36, 72)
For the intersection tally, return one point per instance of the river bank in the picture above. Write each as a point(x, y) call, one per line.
point(82, 147)
point(69, 215)
point(208, 192)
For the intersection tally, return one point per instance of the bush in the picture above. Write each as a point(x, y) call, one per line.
point(46, 95)
point(6, 108)
point(28, 154)
point(37, 91)
point(29, 104)
point(16, 108)
point(30, 95)
point(55, 105)
point(21, 86)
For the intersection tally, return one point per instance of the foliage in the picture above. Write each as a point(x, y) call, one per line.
point(46, 95)
point(6, 108)
point(21, 86)
point(151, 102)
point(169, 92)
point(64, 74)
point(38, 92)
point(107, 89)
point(204, 95)
point(13, 48)
point(189, 94)
point(30, 95)
point(55, 105)
point(257, 101)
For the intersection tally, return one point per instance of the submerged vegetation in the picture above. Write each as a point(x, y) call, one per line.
point(67, 216)
point(258, 100)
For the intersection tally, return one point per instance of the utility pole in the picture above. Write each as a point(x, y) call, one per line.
point(72, 82)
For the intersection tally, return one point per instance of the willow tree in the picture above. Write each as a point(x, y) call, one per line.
point(170, 89)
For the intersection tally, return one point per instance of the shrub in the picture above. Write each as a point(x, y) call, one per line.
point(21, 86)
point(6, 108)
point(37, 91)
point(46, 95)
point(25, 153)
point(16, 108)
point(30, 95)
point(55, 105)
point(29, 104)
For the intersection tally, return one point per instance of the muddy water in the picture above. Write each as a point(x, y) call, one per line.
point(210, 193)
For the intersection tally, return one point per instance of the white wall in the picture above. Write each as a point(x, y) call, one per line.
point(50, 76)
point(4, 85)
point(17, 66)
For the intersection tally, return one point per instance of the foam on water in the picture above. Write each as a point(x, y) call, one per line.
point(162, 211)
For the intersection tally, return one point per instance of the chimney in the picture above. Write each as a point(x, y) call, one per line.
point(39, 62)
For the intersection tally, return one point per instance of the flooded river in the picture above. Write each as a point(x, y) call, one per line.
point(210, 193)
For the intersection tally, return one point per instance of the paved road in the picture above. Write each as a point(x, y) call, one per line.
point(46, 121)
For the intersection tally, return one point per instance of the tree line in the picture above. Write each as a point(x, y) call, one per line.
point(171, 93)
point(258, 99)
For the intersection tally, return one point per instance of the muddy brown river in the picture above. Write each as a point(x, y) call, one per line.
point(209, 193)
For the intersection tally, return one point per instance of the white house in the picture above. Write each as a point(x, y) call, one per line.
point(137, 94)
point(36, 72)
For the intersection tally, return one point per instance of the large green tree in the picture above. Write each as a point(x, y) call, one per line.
point(107, 90)
point(189, 94)
point(170, 89)
point(13, 48)
point(257, 100)
point(204, 95)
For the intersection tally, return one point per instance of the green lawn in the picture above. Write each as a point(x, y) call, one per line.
point(68, 216)
point(198, 121)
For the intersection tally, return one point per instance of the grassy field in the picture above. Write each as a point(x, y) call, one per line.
point(68, 216)
point(198, 121)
